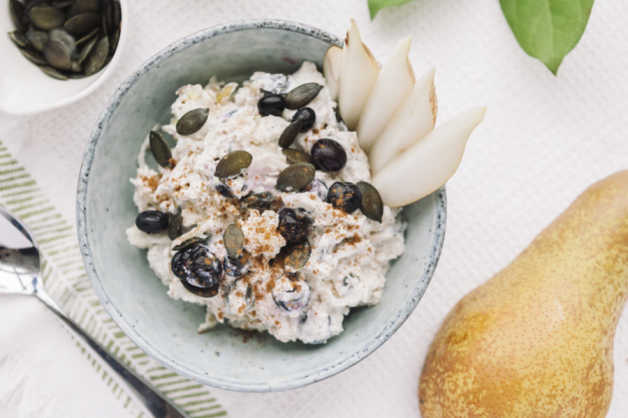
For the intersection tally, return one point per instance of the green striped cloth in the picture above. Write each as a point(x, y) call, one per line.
point(67, 282)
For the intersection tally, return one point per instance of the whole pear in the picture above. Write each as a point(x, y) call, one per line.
point(536, 340)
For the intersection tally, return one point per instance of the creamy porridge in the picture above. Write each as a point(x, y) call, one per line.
point(263, 210)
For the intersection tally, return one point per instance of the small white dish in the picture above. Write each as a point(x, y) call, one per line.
point(26, 90)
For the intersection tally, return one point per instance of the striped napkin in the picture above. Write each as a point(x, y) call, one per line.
point(67, 282)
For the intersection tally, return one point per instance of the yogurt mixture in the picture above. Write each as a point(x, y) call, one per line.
point(302, 263)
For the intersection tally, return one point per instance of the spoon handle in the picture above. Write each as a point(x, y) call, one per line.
point(154, 402)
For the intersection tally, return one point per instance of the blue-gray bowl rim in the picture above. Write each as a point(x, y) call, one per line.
point(81, 215)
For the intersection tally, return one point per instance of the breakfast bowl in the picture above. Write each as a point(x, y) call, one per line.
point(166, 329)
point(26, 89)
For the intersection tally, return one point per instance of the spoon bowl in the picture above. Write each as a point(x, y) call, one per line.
point(19, 275)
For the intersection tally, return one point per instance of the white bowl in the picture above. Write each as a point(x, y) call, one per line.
point(26, 90)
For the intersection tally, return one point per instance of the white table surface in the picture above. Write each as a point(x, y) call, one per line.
point(543, 141)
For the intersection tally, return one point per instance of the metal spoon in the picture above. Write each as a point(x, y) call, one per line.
point(19, 275)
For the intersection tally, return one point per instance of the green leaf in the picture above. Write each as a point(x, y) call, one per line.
point(377, 5)
point(547, 29)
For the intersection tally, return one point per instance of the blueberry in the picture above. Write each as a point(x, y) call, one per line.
point(235, 267)
point(328, 155)
point(305, 117)
point(291, 295)
point(319, 187)
point(345, 196)
point(224, 190)
point(295, 256)
point(152, 221)
point(271, 104)
point(260, 201)
point(199, 270)
point(294, 225)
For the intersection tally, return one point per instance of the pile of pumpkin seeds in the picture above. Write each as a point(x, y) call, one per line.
point(66, 38)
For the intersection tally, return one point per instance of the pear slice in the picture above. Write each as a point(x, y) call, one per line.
point(358, 75)
point(412, 121)
point(332, 66)
point(393, 85)
point(428, 164)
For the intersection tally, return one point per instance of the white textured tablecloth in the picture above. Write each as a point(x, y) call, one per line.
point(543, 141)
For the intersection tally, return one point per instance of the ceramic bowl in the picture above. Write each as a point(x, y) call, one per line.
point(26, 90)
point(134, 296)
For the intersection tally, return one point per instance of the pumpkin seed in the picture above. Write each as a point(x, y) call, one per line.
point(76, 67)
point(297, 255)
point(52, 72)
point(82, 23)
point(62, 4)
point(18, 39)
point(114, 41)
point(233, 238)
point(37, 38)
point(108, 60)
point(104, 27)
point(60, 49)
point(188, 243)
point(295, 156)
point(16, 10)
point(30, 3)
point(33, 56)
point(192, 121)
point(108, 12)
point(46, 17)
point(233, 163)
point(117, 15)
point(91, 35)
point(37, 20)
point(295, 177)
point(105, 16)
point(175, 225)
point(160, 149)
point(98, 57)
point(86, 50)
point(371, 204)
point(75, 76)
point(82, 6)
point(302, 95)
point(289, 134)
